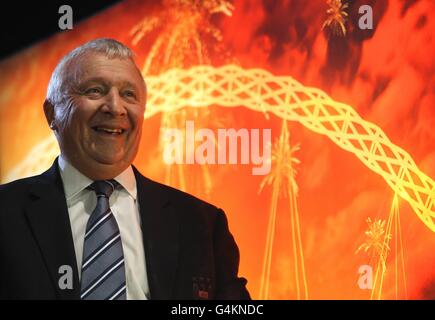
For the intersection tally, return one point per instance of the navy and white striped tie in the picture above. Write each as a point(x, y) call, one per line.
point(103, 271)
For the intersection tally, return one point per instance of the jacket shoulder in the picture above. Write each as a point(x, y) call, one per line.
point(182, 198)
point(17, 188)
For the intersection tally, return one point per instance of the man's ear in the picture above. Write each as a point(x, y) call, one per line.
point(49, 114)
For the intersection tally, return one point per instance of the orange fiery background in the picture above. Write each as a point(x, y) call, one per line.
point(386, 74)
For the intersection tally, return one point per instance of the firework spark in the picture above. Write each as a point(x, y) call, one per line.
point(336, 17)
point(283, 181)
point(375, 244)
point(283, 165)
point(185, 37)
point(183, 28)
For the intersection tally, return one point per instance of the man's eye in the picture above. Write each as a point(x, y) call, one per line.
point(94, 91)
point(129, 94)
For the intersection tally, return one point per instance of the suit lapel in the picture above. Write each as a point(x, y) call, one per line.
point(48, 218)
point(160, 228)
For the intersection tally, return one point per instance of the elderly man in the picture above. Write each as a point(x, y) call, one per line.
point(92, 227)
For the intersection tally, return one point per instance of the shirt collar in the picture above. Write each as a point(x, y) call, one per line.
point(74, 181)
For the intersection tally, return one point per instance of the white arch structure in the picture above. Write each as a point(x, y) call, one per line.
point(259, 90)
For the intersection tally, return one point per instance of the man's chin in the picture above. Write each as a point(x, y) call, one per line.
point(108, 158)
point(109, 162)
point(106, 169)
point(104, 165)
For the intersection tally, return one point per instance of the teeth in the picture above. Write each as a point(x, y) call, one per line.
point(108, 130)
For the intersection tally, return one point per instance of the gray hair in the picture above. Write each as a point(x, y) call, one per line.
point(61, 79)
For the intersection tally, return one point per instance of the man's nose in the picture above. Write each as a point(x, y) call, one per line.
point(114, 103)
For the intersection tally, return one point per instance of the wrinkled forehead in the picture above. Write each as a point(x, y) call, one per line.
point(94, 65)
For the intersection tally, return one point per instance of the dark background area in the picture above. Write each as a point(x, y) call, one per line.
point(23, 23)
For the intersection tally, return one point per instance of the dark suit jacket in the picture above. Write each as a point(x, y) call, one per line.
point(189, 250)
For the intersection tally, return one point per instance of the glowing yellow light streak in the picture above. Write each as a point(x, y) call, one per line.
point(259, 90)
point(283, 181)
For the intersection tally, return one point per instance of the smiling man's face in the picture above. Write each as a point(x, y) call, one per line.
point(100, 128)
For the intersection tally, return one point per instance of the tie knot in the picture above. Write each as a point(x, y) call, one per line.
point(104, 187)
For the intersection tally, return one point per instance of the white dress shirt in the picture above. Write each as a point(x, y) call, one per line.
point(124, 205)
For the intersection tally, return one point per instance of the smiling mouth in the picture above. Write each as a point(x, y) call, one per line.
point(111, 131)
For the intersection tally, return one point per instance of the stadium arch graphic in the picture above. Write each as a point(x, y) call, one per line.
point(286, 98)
